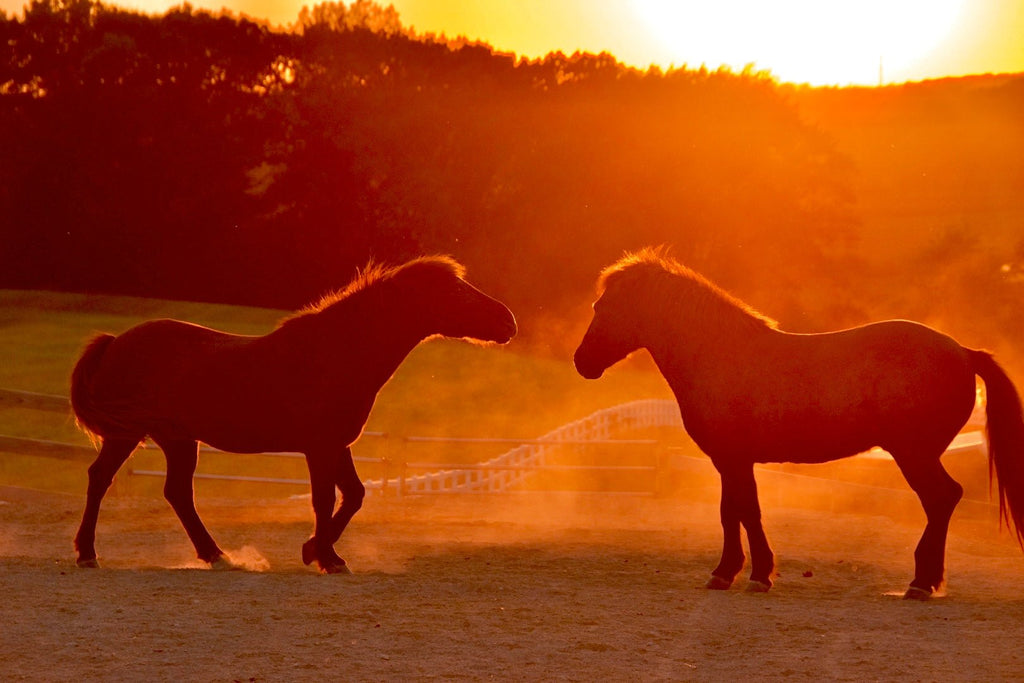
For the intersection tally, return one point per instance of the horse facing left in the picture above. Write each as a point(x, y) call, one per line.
point(307, 386)
point(749, 393)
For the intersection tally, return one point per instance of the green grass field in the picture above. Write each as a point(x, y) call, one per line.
point(444, 388)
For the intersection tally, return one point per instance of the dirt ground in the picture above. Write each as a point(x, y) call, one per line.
point(500, 587)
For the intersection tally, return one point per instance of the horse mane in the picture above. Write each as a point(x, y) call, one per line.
point(373, 275)
point(662, 274)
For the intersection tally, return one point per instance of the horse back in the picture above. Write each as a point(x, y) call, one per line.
point(819, 397)
point(162, 352)
point(246, 394)
point(145, 373)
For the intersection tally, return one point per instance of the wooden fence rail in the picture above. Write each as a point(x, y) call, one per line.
point(505, 472)
point(508, 471)
point(10, 398)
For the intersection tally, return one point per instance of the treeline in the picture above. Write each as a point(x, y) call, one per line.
point(211, 157)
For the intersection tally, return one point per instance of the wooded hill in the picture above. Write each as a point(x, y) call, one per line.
point(212, 157)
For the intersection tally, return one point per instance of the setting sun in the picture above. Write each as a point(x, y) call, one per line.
point(841, 42)
point(802, 40)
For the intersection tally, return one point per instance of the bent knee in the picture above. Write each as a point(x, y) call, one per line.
point(352, 497)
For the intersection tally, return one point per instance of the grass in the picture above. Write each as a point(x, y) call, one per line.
point(444, 387)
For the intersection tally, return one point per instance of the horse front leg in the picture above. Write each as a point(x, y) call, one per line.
point(112, 455)
point(740, 506)
point(323, 476)
point(732, 559)
point(352, 494)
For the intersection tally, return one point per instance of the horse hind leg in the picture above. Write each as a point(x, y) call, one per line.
point(182, 457)
point(112, 455)
point(939, 494)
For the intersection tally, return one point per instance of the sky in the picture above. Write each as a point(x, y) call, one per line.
point(822, 42)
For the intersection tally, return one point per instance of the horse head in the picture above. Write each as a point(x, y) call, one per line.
point(613, 333)
point(447, 305)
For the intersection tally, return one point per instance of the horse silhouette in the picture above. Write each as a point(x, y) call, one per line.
point(307, 386)
point(749, 393)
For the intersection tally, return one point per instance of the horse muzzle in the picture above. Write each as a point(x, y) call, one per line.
point(587, 368)
point(508, 330)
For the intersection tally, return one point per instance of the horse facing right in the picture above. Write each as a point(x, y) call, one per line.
point(307, 386)
point(751, 393)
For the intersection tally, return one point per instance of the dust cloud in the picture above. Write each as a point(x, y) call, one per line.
point(249, 558)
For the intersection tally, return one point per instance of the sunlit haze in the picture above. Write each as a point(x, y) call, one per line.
point(838, 42)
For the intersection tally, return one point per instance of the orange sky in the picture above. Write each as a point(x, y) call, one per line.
point(816, 41)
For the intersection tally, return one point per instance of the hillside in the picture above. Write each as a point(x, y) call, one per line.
point(209, 157)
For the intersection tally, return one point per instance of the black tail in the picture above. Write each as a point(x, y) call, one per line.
point(86, 415)
point(1005, 430)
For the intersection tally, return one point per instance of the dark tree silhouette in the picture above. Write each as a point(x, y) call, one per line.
point(209, 156)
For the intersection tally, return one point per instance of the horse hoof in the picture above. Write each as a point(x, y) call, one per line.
point(915, 593)
point(754, 586)
point(223, 563)
point(717, 583)
point(88, 563)
point(336, 569)
point(308, 552)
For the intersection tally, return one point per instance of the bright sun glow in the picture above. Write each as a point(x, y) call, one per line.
point(813, 41)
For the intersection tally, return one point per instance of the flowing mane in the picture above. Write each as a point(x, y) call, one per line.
point(372, 275)
point(651, 269)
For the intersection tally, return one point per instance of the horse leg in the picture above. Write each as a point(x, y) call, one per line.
point(352, 494)
point(101, 473)
point(323, 476)
point(732, 559)
point(939, 494)
point(740, 506)
point(182, 457)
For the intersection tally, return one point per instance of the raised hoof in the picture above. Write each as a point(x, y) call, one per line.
point(308, 552)
point(336, 569)
point(717, 583)
point(223, 563)
point(88, 563)
point(915, 593)
point(757, 586)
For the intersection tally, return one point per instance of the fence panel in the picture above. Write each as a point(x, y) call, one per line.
point(508, 471)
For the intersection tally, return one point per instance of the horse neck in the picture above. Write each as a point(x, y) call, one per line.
point(690, 336)
point(386, 336)
point(367, 337)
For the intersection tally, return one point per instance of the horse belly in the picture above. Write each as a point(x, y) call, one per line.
point(819, 427)
point(282, 419)
point(801, 439)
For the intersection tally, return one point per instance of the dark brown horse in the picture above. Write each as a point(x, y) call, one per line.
point(307, 387)
point(751, 393)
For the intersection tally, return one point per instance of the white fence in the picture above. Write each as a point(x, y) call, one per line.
point(510, 470)
point(503, 473)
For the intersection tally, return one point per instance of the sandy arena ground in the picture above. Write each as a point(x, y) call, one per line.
point(500, 587)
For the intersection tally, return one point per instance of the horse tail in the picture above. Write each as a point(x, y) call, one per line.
point(87, 416)
point(1005, 431)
